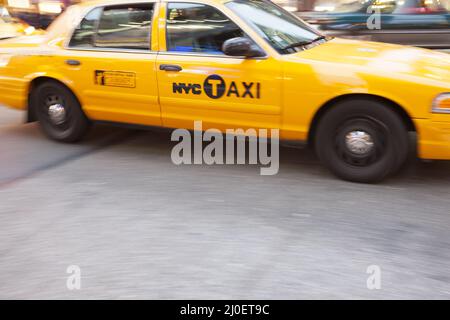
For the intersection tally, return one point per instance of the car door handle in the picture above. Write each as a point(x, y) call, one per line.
point(170, 67)
point(73, 62)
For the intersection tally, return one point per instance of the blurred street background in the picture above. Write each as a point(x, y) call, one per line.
point(423, 23)
point(140, 227)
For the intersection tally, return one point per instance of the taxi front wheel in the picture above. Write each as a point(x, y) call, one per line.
point(362, 140)
point(59, 112)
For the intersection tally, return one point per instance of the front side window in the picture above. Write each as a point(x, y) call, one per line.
point(118, 27)
point(193, 27)
point(283, 31)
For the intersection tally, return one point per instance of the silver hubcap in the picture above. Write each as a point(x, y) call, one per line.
point(57, 113)
point(359, 142)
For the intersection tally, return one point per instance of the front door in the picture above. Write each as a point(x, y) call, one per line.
point(198, 82)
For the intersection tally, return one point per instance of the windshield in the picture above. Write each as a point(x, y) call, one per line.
point(278, 27)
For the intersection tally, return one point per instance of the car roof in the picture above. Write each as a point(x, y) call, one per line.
point(95, 3)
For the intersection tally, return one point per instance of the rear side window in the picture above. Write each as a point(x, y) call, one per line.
point(83, 35)
point(118, 27)
point(125, 27)
point(193, 27)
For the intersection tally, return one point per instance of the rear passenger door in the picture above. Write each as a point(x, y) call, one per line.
point(112, 64)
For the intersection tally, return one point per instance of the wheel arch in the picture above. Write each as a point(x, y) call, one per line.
point(31, 114)
point(404, 115)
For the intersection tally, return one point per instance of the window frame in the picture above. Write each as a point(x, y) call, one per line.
point(97, 23)
point(160, 6)
point(200, 54)
point(279, 54)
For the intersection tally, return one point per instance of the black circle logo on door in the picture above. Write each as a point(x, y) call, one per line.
point(214, 86)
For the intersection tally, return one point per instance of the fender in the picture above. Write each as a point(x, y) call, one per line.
point(34, 78)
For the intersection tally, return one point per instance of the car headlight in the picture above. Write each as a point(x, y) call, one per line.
point(441, 104)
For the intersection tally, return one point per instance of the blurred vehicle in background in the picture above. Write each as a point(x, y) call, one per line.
point(423, 23)
point(297, 5)
point(38, 13)
point(11, 27)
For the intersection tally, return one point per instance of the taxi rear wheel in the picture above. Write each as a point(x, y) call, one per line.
point(59, 112)
point(362, 140)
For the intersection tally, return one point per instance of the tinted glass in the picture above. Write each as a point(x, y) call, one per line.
point(83, 35)
point(198, 28)
point(125, 27)
point(280, 28)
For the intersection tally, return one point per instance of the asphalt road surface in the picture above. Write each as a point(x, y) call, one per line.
point(140, 227)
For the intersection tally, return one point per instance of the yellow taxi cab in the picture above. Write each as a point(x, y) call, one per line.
point(232, 64)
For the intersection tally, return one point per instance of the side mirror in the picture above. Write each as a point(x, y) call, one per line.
point(241, 47)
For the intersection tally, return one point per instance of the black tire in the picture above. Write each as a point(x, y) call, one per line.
point(72, 126)
point(362, 140)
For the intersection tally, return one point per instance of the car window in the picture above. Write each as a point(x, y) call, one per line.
point(193, 27)
point(82, 36)
point(117, 27)
point(279, 28)
point(127, 27)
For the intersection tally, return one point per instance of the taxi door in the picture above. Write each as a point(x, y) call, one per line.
point(113, 66)
point(197, 81)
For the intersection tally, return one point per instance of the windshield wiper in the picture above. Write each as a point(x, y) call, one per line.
point(303, 43)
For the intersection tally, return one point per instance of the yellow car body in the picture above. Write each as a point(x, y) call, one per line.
point(287, 91)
